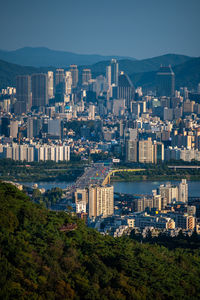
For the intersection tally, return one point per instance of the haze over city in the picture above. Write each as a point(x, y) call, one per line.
point(133, 28)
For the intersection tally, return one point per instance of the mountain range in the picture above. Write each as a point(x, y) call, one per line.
point(140, 66)
point(187, 74)
point(44, 57)
point(141, 72)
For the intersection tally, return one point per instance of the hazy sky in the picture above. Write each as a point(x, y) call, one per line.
point(137, 28)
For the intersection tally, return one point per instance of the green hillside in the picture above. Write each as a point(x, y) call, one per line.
point(187, 74)
point(40, 261)
point(9, 71)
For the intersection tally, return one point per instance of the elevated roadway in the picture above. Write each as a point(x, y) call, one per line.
point(112, 172)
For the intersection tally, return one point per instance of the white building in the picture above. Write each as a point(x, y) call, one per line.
point(183, 191)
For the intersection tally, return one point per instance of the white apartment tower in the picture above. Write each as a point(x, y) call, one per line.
point(183, 191)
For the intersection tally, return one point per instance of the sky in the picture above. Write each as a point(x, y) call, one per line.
point(134, 28)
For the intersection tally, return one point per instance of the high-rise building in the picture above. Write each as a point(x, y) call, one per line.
point(165, 81)
point(34, 126)
point(108, 75)
point(23, 94)
point(14, 128)
point(124, 90)
point(63, 84)
point(114, 71)
point(118, 107)
point(91, 111)
point(101, 201)
point(131, 134)
point(131, 150)
point(60, 84)
point(145, 151)
point(39, 90)
point(74, 72)
point(121, 129)
point(5, 126)
point(50, 85)
point(135, 108)
point(183, 191)
point(158, 152)
point(68, 83)
point(86, 76)
point(169, 192)
point(55, 128)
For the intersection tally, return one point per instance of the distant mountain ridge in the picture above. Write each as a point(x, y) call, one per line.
point(186, 74)
point(142, 73)
point(140, 66)
point(45, 57)
point(9, 71)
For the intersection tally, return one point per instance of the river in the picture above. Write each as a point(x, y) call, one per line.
point(134, 187)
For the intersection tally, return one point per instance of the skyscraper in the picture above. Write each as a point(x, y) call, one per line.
point(63, 84)
point(131, 150)
point(86, 76)
point(165, 81)
point(108, 75)
point(23, 91)
point(50, 85)
point(39, 90)
point(74, 72)
point(60, 84)
point(158, 152)
point(34, 125)
point(145, 151)
point(114, 71)
point(125, 89)
point(68, 83)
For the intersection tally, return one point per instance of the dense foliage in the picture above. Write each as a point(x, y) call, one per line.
point(49, 198)
point(41, 171)
point(39, 261)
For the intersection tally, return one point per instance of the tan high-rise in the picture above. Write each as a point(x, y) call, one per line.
point(101, 201)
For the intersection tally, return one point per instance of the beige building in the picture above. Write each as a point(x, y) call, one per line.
point(145, 151)
point(101, 201)
point(169, 192)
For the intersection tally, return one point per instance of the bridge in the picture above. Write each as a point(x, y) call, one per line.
point(112, 172)
point(98, 173)
point(183, 167)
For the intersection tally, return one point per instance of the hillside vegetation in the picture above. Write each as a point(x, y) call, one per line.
point(186, 74)
point(39, 261)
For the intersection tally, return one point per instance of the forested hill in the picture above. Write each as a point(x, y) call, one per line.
point(41, 260)
point(9, 72)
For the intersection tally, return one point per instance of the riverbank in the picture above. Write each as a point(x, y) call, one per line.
point(154, 178)
point(131, 187)
point(40, 171)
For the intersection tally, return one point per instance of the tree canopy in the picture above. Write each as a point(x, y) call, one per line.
point(40, 261)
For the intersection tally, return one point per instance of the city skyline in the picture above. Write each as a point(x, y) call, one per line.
point(132, 28)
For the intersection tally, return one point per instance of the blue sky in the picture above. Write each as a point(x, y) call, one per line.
point(136, 28)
